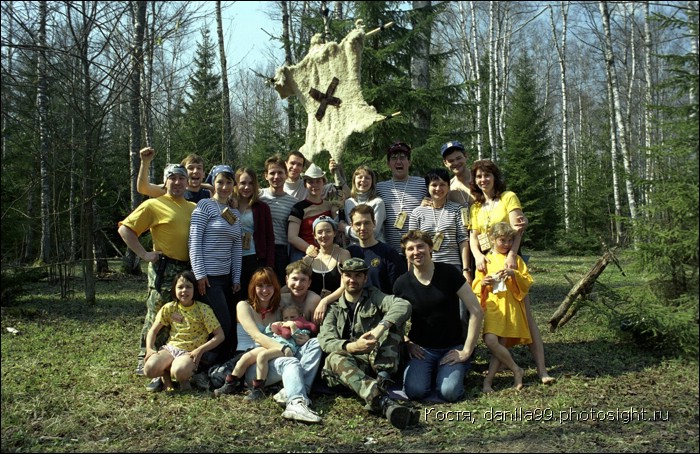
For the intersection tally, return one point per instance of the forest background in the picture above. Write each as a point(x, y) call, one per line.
point(590, 108)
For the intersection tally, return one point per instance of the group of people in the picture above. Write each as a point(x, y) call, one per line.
point(253, 287)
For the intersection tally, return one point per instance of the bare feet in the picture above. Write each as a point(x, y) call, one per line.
point(486, 388)
point(518, 378)
point(547, 380)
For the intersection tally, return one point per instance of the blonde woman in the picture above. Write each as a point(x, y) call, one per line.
point(364, 192)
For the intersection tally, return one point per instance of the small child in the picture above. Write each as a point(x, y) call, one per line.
point(283, 332)
point(502, 291)
point(191, 323)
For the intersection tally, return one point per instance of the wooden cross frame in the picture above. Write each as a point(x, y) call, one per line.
point(326, 98)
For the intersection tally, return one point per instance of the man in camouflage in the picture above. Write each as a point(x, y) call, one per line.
point(362, 334)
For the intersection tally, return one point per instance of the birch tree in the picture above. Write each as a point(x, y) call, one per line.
point(561, 52)
point(621, 127)
point(648, 101)
point(613, 167)
point(491, 109)
point(476, 74)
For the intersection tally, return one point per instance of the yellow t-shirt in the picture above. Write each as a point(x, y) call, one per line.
point(483, 219)
point(190, 326)
point(169, 222)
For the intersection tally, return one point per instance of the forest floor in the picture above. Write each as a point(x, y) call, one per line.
point(68, 385)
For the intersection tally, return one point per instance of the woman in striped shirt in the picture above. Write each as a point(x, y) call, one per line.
point(215, 253)
point(442, 220)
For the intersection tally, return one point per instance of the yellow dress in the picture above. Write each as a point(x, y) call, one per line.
point(504, 312)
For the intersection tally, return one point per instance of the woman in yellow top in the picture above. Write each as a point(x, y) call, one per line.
point(502, 291)
point(493, 205)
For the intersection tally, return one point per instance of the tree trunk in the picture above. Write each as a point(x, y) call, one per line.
point(648, 101)
point(561, 51)
point(338, 10)
point(288, 59)
point(420, 64)
point(504, 31)
point(42, 102)
point(491, 109)
point(139, 16)
point(326, 22)
point(4, 137)
point(565, 311)
point(477, 74)
point(89, 150)
point(147, 75)
point(613, 153)
point(227, 146)
point(610, 64)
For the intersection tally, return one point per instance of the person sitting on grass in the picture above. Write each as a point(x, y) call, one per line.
point(502, 291)
point(190, 323)
point(291, 324)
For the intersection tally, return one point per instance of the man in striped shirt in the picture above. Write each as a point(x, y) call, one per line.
point(401, 194)
point(280, 204)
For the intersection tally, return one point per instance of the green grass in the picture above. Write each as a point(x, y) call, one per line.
point(67, 385)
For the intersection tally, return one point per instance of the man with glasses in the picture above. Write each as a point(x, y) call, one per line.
point(401, 194)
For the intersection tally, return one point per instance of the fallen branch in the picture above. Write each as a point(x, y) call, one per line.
point(567, 309)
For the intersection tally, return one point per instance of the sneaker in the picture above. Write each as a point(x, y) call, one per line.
point(398, 414)
point(155, 385)
point(299, 411)
point(280, 398)
point(254, 394)
point(201, 381)
point(139, 368)
point(228, 388)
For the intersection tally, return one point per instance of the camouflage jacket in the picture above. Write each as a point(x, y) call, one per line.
point(341, 325)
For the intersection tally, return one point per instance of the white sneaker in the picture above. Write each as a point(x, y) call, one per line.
point(281, 398)
point(299, 411)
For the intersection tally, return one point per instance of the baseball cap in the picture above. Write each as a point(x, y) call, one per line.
point(451, 146)
point(324, 218)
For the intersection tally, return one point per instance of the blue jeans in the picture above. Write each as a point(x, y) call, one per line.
point(423, 375)
point(297, 373)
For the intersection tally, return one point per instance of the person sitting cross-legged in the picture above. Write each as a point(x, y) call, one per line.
point(362, 334)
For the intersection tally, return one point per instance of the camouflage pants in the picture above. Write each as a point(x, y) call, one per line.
point(359, 372)
point(156, 300)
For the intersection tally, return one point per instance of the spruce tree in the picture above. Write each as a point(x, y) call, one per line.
point(668, 229)
point(199, 123)
point(526, 160)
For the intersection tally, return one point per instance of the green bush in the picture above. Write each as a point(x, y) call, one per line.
point(652, 322)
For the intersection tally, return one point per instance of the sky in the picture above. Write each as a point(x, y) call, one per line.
point(246, 44)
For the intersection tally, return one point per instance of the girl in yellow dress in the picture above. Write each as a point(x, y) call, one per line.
point(502, 291)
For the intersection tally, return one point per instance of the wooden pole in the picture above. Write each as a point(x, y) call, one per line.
point(378, 29)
